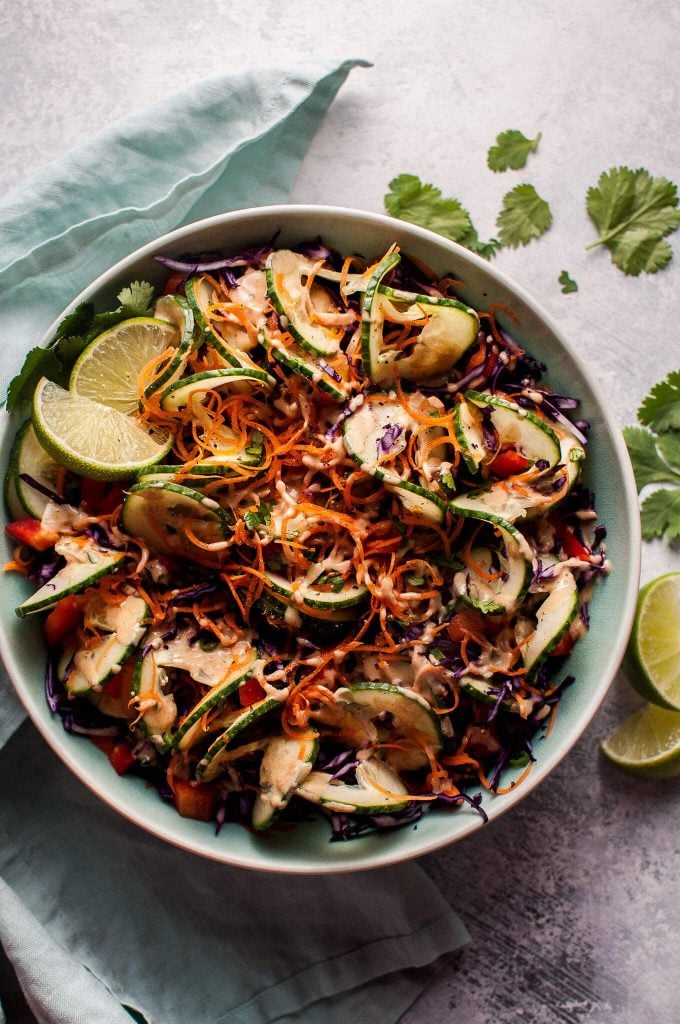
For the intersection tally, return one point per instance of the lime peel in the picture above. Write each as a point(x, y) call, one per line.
point(93, 439)
point(654, 651)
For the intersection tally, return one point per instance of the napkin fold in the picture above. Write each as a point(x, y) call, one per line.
point(95, 914)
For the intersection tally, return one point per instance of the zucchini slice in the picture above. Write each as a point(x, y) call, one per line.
point(157, 709)
point(488, 692)
point(30, 458)
point(419, 501)
point(196, 387)
point(157, 513)
point(285, 765)
point(190, 728)
point(122, 626)
point(305, 364)
point(553, 618)
point(307, 595)
point(86, 563)
point(468, 430)
point(504, 594)
point(499, 505)
point(285, 271)
point(450, 330)
point(372, 320)
point(232, 349)
point(217, 754)
point(519, 428)
point(378, 790)
point(175, 310)
point(413, 718)
point(376, 434)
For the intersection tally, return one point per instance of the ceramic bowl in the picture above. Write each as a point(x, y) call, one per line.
point(306, 848)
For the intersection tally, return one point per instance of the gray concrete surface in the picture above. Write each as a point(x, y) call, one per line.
point(573, 900)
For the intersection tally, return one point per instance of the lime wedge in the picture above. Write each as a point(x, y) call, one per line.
point(92, 439)
point(655, 643)
point(108, 370)
point(647, 744)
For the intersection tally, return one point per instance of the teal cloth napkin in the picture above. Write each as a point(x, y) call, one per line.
point(96, 915)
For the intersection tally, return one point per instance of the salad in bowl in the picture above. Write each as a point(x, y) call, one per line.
point(309, 537)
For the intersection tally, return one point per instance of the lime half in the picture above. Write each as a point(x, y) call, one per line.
point(655, 642)
point(647, 744)
point(92, 439)
point(108, 370)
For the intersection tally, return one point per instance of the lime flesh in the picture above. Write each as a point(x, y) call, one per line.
point(92, 439)
point(108, 370)
point(655, 642)
point(647, 744)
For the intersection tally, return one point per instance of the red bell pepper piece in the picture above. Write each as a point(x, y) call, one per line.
point(118, 752)
point(31, 532)
point(99, 497)
point(250, 692)
point(63, 619)
point(175, 283)
point(508, 463)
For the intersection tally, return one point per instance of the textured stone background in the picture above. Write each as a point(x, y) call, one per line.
point(573, 900)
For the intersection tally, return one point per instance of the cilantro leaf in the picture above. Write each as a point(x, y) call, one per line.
point(39, 362)
point(414, 580)
point(568, 283)
point(648, 466)
point(137, 298)
point(422, 204)
point(524, 216)
point(669, 447)
point(633, 212)
point(511, 150)
point(660, 410)
point(76, 322)
point(259, 516)
point(660, 514)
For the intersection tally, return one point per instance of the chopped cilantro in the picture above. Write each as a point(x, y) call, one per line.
point(260, 516)
point(633, 213)
point(418, 203)
point(511, 150)
point(332, 580)
point(524, 216)
point(568, 284)
point(414, 580)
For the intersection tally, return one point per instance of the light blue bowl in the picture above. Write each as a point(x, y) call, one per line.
point(306, 849)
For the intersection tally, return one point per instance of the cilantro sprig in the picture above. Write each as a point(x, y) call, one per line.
point(511, 151)
point(654, 450)
point(71, 337)
point(420, 203)
point(633, 213)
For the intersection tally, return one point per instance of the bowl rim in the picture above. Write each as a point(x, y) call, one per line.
point(35, 707)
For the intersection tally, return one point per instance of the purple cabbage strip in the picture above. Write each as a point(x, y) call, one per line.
point(315, 250)
point(474, 801)
point(333, 374)
point(192, 593)
point(390, 436)
point(45, 491)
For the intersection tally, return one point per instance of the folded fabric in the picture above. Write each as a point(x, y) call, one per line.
point(223, 144)
point(96, 915)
